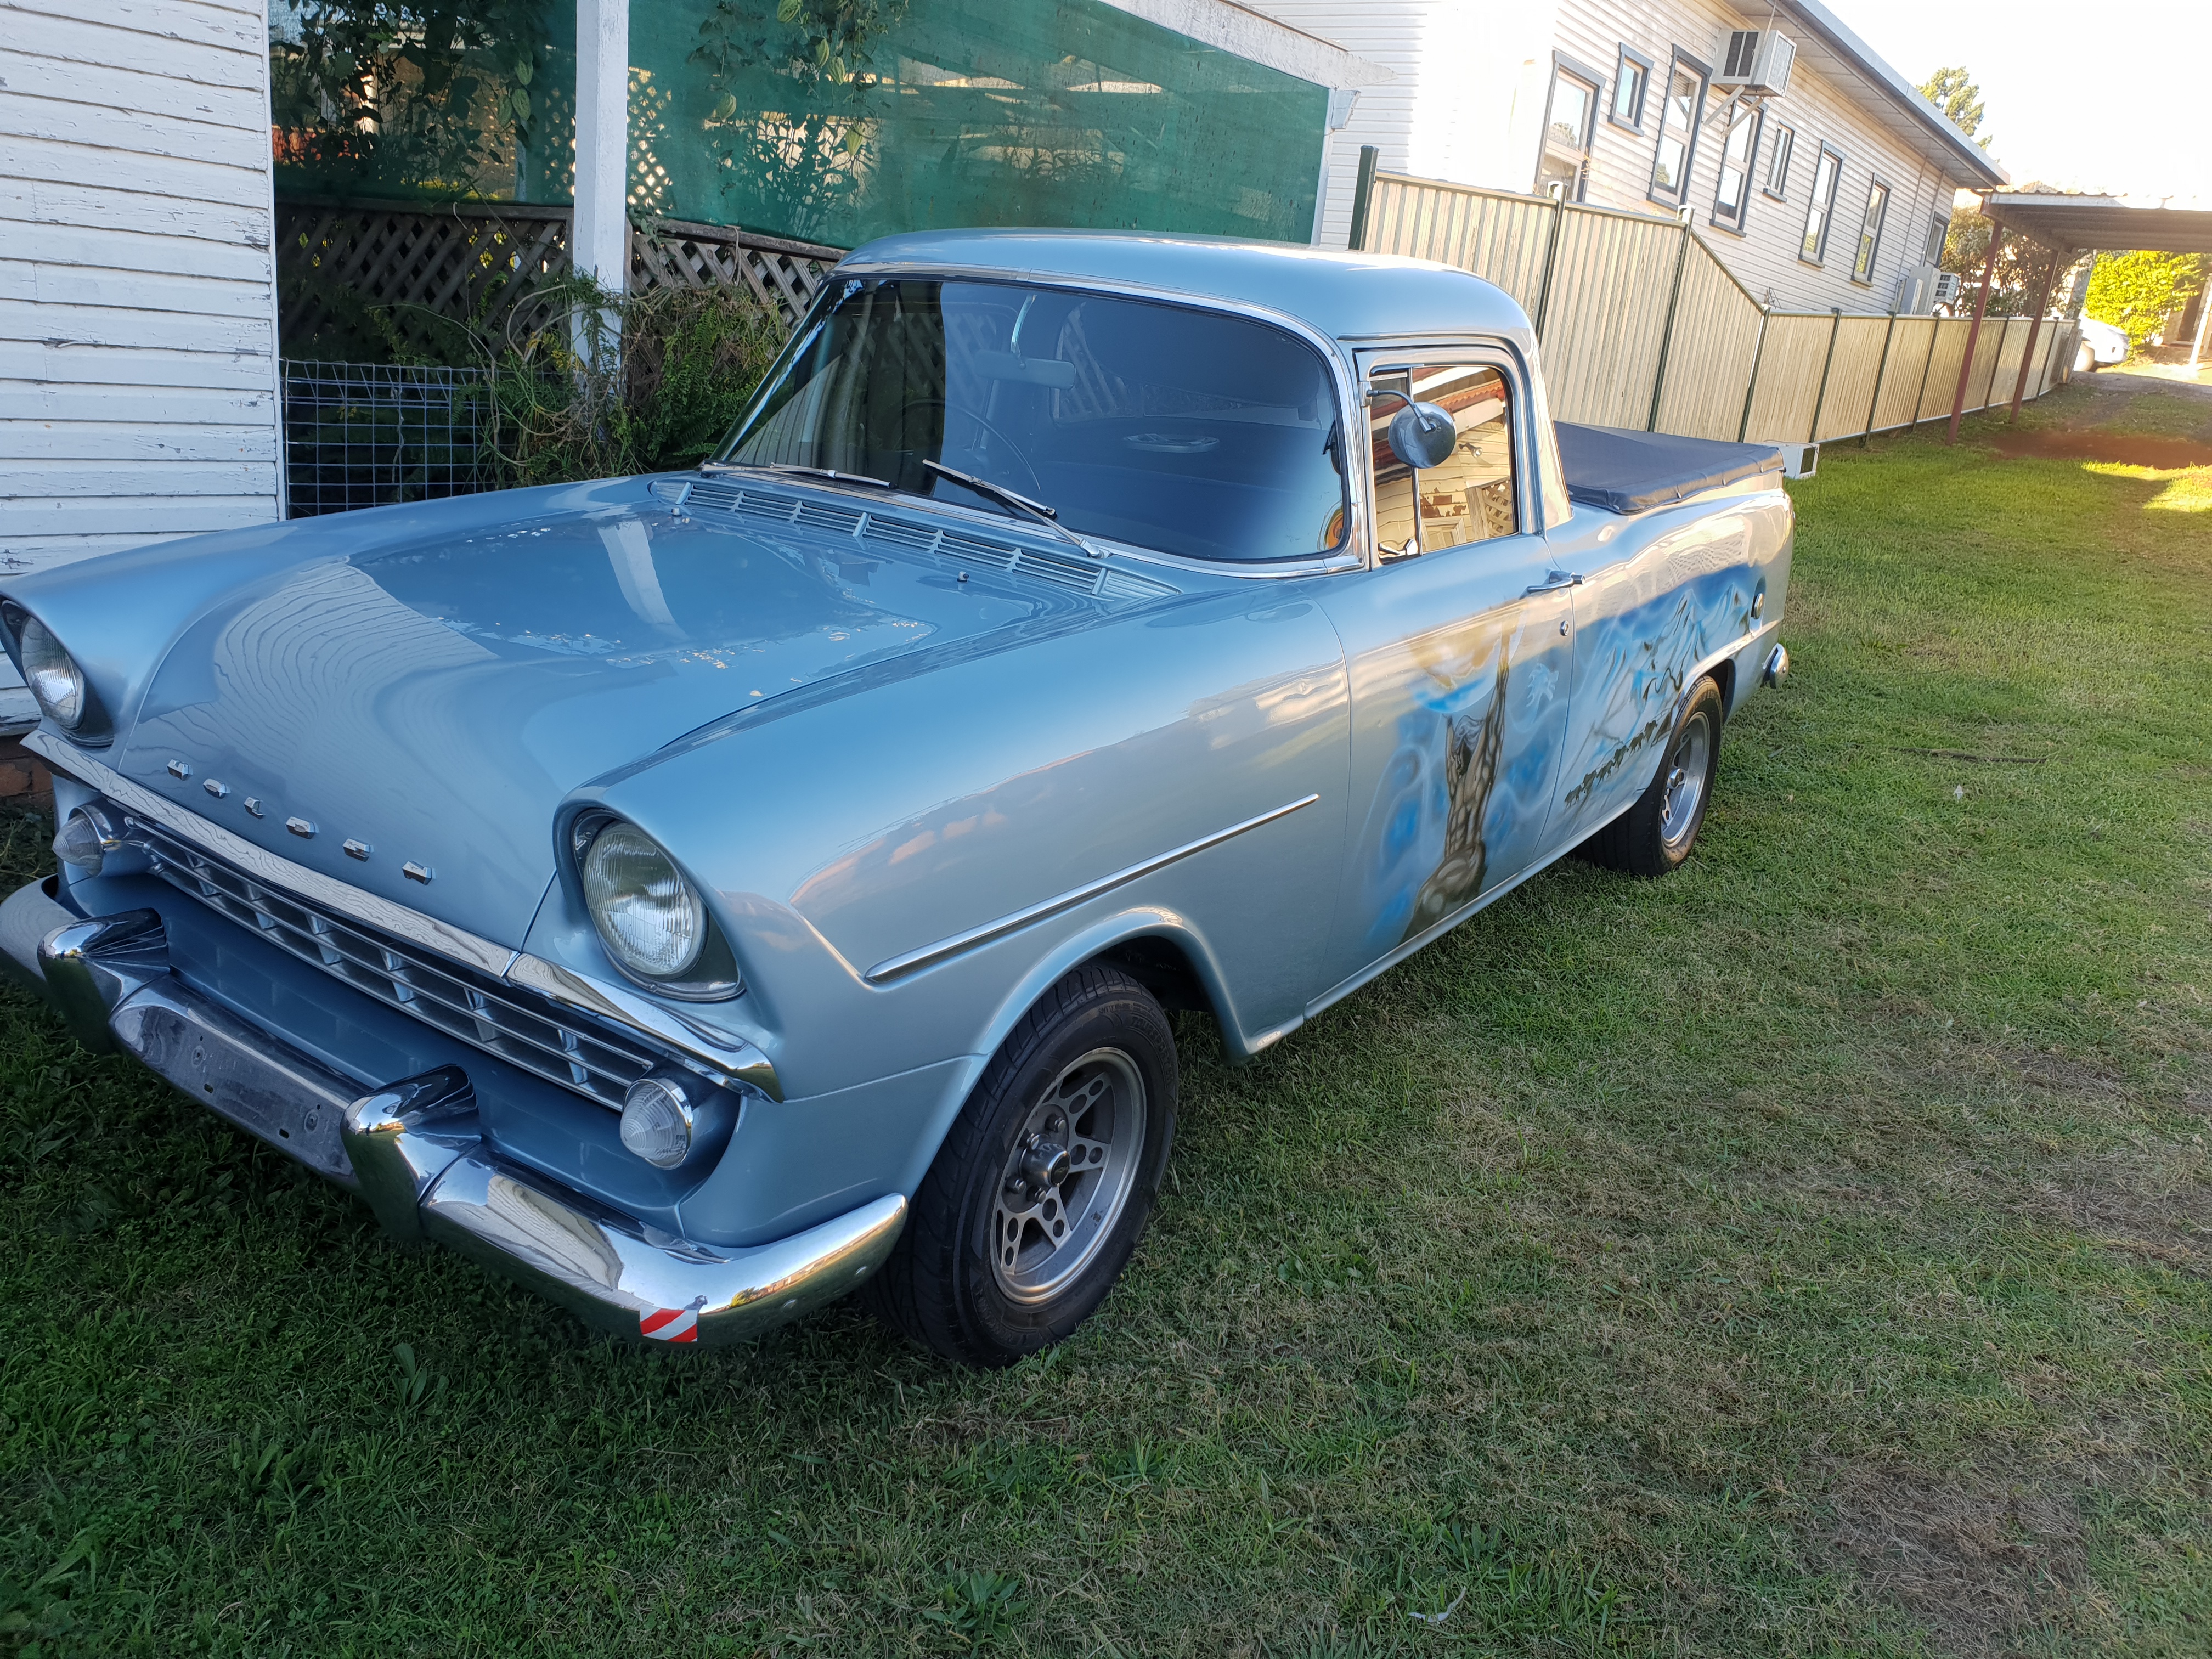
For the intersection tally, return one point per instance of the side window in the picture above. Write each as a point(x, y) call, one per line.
point(1567, 127)
point(1471, 496)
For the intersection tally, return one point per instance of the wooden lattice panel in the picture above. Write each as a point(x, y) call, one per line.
point(421, 270)
point(414, 266)
point(679, 254)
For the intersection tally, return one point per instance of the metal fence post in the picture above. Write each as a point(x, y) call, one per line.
point(1551, 256)
point(1667, 334)
point(1751, 386)
point(1974, 334)
point(1820, 397)
point(1874, 403)
point(1363, 197)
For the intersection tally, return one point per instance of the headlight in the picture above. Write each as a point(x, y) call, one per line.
point(55, 680)
point(648, 916)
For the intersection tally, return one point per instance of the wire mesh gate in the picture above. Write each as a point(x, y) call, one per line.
point(372, 435)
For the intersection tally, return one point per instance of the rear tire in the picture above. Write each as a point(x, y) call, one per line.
point(1654, 837)
point(1044, 1182)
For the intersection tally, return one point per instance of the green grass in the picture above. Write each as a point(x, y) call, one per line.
point(1807, 1255)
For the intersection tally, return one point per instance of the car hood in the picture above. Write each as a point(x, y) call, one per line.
point(431, 700)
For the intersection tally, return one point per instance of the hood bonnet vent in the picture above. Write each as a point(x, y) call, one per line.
point(953, 547)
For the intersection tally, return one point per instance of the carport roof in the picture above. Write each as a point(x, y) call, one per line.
point(2100, 221)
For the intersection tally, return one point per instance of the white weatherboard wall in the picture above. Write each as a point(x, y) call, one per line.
point(138, 389)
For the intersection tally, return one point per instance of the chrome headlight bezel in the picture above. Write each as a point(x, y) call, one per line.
point(58, 681)
point(711, 973)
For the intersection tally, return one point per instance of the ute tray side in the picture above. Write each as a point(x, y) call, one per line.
point(1624, 471)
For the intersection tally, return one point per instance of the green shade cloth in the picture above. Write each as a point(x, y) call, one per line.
point(968, 113)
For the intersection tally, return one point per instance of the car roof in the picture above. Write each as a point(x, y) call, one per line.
point(1348, 295)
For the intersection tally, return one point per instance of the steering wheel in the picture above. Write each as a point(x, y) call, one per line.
point(1036, 486)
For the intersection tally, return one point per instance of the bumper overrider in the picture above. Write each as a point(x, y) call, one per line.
point(414, 1150)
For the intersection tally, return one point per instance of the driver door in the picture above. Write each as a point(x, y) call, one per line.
point(1458, 638)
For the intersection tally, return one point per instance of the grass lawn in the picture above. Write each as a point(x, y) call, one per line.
point(1807, 1255)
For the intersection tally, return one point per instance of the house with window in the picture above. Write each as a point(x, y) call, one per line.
point(1815, 172)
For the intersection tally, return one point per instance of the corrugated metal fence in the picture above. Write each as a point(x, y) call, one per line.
point(1643, 327)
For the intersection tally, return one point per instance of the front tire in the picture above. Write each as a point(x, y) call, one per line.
point(1654, 837)
point(1045, 1182)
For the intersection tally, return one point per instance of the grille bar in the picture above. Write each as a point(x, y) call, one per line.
point(477, 1010)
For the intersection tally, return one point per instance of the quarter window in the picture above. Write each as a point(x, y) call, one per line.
point(1777, 165)
point(1877, 208)
point(1679, 117)
point(1732, 194)
point(1814, 248)
point(1469, 497)
point(1567, 128)
point(1632, 80)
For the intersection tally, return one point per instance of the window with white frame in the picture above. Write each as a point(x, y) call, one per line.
point(1778, 163)
point(1813, 249)
point(1632, 80)
point(1679, 113)
point(1567, 126)
point(1739, 149)
point(1877, 209)
point(1939, 232)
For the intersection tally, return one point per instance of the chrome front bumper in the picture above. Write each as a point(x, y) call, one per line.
point(416, 1152)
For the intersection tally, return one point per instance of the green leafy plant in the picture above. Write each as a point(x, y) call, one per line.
point(977, 1607)
point(809, 149)
point(2136, 292)
point(609, 384)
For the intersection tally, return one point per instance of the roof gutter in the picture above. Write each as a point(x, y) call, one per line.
point(1976, 167)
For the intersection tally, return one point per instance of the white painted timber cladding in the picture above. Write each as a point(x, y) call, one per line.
point(1467, 107)
point(138, 382)
point(1764, 258)
point(1462, 71)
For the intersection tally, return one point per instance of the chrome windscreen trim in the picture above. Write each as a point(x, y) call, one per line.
point(341, 897)
point(897, 967)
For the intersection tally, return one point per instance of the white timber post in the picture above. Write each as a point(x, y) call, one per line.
point(598, 235)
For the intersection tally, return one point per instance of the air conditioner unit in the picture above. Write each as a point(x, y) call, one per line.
point(1757, 61)
point(1946, 288)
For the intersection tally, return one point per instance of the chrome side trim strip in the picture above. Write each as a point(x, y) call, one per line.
point(897, 967)
point(346, 899)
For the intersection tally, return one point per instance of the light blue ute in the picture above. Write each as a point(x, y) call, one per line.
point(699, 897)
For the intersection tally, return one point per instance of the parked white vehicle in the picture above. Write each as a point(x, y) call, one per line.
point(2100, 343)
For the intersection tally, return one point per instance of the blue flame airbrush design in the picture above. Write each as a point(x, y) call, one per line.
point(1632, 674)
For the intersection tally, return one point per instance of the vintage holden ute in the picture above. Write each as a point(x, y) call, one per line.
point(699, 897)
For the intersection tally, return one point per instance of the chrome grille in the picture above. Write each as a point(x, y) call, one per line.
point(486, 1013)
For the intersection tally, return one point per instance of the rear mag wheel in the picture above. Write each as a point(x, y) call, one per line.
point(1654, 836)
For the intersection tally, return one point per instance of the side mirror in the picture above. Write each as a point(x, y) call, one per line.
point(1422, 435)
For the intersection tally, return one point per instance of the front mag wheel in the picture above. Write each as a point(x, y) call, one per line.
point(1045, 1182)
point(1654, 836)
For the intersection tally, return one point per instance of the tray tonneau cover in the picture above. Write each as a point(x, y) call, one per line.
point(1624, 471)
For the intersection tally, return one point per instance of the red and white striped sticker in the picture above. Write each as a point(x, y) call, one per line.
point(673, 1324)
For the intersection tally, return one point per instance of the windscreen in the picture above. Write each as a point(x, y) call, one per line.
point(1183, 430)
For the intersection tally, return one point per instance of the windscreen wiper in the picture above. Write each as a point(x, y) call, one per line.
point(830, 473)
point(1047, 516)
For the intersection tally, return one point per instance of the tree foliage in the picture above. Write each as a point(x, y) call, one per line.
point(2136, 292)
point(430, 94)
point(2018, 278)
point(1954, 92)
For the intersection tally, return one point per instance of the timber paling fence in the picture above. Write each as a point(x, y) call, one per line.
point(1643, 327)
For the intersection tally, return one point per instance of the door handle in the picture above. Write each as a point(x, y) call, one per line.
point(1555, 580)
